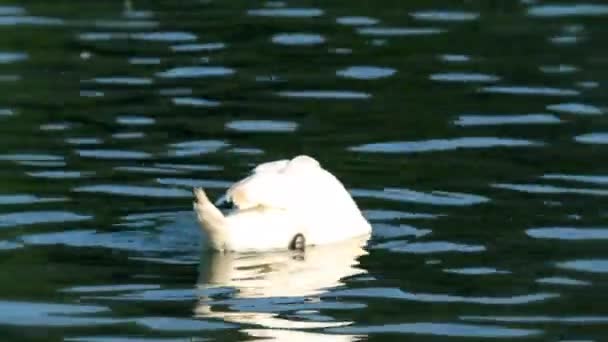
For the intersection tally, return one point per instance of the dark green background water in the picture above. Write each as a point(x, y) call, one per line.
point(473, 134)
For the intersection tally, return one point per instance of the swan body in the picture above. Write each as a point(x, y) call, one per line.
point(283, 204)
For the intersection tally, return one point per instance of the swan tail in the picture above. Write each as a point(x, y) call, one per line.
point(211, 219)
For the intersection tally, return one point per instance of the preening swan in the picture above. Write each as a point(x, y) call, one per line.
point(283, 204)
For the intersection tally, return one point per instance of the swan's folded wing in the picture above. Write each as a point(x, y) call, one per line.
point(266, 189)
point(279, 184)
point(273, 166)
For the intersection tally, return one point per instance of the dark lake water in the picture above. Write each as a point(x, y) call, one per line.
point(473, 134)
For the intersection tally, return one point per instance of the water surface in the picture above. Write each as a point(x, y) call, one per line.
point(474, 137)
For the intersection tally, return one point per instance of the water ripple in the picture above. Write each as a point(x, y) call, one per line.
point(183, 244)
point(357, 21)
point(283, 334)
point(454, 58)
point(384, 215)
point(588, 84)
point(198, 47)
point(51, 315)
point(91, 93)
point(121, 339)
point(434, 145)
point(191, 183)
point(181, 324)
point(286, 12)
point(189, 167)
point(144, 60)
point(56, 126)
point(588, 265)
point(60, 174)
point(102, 36)
point(164, 295)
point(30, 157)
point(434, 197)
point(386, 231)
point(128, 135)
point(550, 189)
point(559, 69)
point(539, 319)
point(430, 247)
point(194, 102)
point(125, 24)
point(6, 112)
point(298, 39)
point(134, 190)
point(123, 80)
point(195, 148)
point(399, 31)
point(575, 108)
point(30, 21)
point(9, 245)
point(441, 329)
point(113, 154)
point(550, 10)
point(475, 271)
point(567, 233)
point(262, 126)
point(135, 120)
point(164, 36)
point(362, 72)
point(42, 163)
point(529, 90)
point(12, 57)
point(514, 119)
point(562, 281)
point(600, 180)
point(449, 16)
point(148, 169)
point(393, 293)
point(246, 150)
point(326, 94)
point(12, 199)
point(464, 77)
point(196, 72)
point(565, 40)
point(40, 217)
point(12, 10)
point(110, 288)
point(593, 138)
point(69, 315)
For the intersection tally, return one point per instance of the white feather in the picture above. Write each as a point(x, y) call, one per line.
point(278, 201)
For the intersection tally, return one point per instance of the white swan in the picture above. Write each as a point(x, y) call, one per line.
point(282, 204)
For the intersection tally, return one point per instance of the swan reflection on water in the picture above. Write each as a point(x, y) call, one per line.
point(280, 290)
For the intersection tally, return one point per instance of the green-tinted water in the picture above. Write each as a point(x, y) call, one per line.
point(473, 134)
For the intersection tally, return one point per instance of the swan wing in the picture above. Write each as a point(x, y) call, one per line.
point(266, 189)
point(269, 167)
point(279, 184)
point(273, 166)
